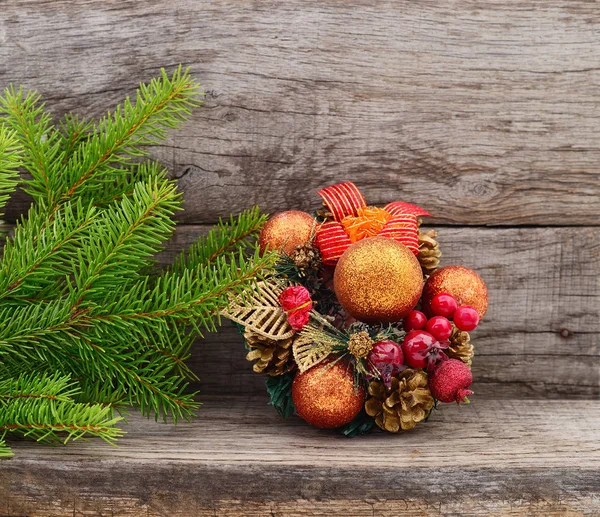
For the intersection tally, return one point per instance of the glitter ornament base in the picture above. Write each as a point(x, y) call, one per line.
point(325, 395)
point(378, 280)
point(286, 231)
point(464, 284)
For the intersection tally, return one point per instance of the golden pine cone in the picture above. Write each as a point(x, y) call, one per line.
point(429, 251)
point(460, 346)
point(360, 344)
point(273, 357)
point(407, 403)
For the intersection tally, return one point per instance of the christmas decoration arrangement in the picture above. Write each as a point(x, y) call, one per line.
point(88, 322)
point(358, 328)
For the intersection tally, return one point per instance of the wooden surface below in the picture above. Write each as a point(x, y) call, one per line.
point(483, 112)
point(535, 457)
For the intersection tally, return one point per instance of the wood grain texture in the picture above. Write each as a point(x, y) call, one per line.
point(540, 337)
point(485, 113)
point(240, 458)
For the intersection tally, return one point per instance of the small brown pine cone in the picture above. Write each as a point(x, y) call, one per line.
point(402, 407)
point(460, 347)
point(307, 258)
point(429, 251)
point(273, 357)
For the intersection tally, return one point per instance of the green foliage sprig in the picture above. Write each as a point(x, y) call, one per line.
point(87, 326)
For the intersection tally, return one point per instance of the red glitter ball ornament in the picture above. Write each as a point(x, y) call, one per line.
point(450, 382)
point(285, 231)
point(325, 396)
point(464, 284)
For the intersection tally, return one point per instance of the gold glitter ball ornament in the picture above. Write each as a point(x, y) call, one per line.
point(286, 231)
point(325, 395)
point(467, 287)
point(378, 280)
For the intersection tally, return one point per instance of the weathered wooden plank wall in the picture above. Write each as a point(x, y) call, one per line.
point(485, 113)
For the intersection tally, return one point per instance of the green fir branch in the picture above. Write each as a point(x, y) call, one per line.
point(86, 327)
point(40, 255)
point(25, 115)
point(42, 407)
point(120, 138)
point(10, 160)
point(125, 237)
point(73, 131)
point(5, 450)
point(231, 236)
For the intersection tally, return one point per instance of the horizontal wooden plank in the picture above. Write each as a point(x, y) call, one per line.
point(539, 339)
point(239, 457)
point(484, 113)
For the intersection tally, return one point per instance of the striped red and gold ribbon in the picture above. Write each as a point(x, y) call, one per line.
point(344, 200)
point(404, 229)
point(400, 207)
point(332, 240)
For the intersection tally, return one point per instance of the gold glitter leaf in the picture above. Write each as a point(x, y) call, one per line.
point(308, 353)
point(261, 312)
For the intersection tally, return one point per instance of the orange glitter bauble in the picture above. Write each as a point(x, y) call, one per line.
point(461, 282)
point(325, 395)
point(286, 231)
point(378, 280)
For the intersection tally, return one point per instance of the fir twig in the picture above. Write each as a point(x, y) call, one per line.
point(227, 237)
point(85, 327)
point(10, 160)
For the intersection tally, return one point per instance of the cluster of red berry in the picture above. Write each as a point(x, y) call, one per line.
point(426, 339)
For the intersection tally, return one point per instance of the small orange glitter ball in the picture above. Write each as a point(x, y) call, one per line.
point(461, 282)
point(378, 280)
point(286, 231)
point(325, 395)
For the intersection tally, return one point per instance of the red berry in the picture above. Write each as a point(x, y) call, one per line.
point(415, 320)
point(416, 346)
point(443, 304)
point(439, 327)
point(466, 318)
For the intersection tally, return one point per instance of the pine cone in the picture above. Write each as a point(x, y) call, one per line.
point(307, 258)
point(429, 251)
point(273, 357)
point(407, 403)
point(460, 347)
